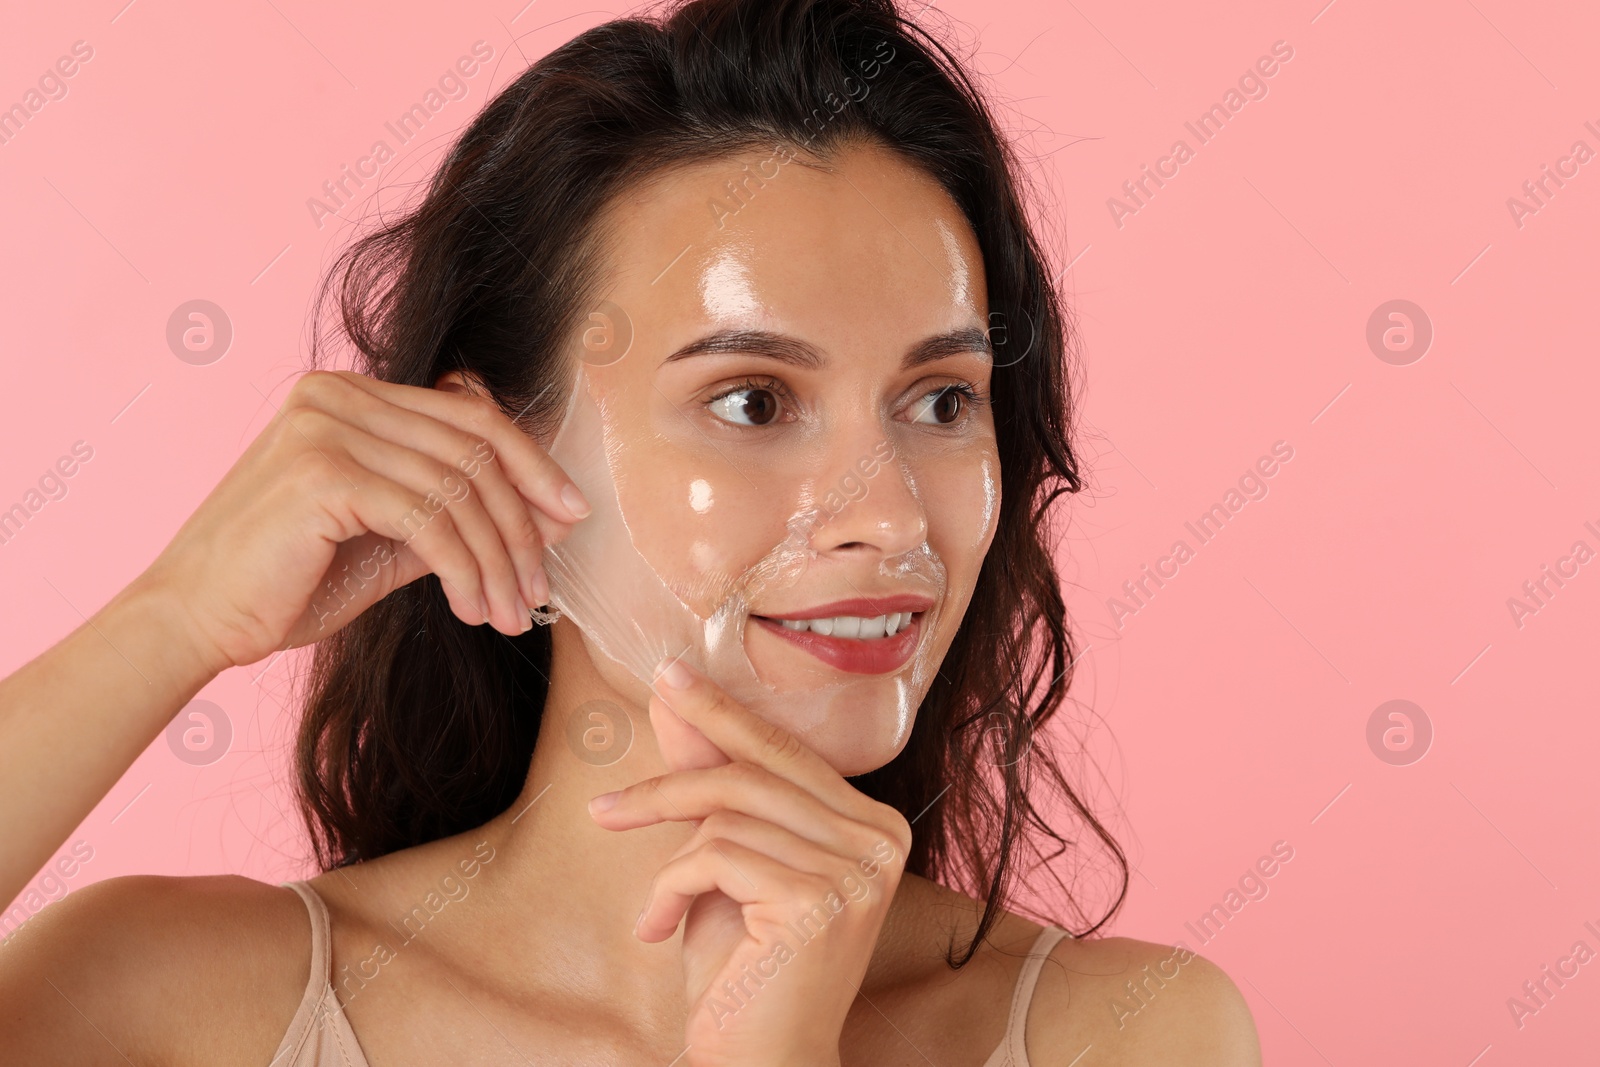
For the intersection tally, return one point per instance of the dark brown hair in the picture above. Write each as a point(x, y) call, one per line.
point(418, 726)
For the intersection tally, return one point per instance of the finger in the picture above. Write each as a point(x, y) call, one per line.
point(360, 499)
point(767, 838)
point(351, 400)
point(524, 528)
point(744, 736)
point(692, 796)
point(745, 875)
point(870, 879)
point(530, 468)
point(442, 490)
point(683, 748)
point(375, 566)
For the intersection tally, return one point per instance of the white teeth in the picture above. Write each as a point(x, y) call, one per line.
point(853, 626)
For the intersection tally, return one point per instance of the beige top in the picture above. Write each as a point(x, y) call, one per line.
point(320, 1035)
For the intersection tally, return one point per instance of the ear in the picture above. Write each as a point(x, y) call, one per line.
point(456, 381)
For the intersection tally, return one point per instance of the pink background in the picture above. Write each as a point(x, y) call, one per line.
point(1228, 313)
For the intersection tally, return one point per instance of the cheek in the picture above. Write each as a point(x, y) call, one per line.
point(990, 516)
point(962, 496)
point(700, 521)
point(963, 505)
point(699, 524)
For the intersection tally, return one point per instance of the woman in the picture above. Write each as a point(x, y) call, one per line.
point(796, 231)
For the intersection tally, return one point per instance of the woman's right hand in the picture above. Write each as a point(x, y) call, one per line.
point(357, 488)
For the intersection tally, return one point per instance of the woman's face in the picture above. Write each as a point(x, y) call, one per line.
point(793, 369)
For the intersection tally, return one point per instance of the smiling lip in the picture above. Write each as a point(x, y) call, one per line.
point(867, 607)
point(880, 655)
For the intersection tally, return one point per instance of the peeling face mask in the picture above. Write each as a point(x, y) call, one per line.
point(682, 559)
point(780, 540)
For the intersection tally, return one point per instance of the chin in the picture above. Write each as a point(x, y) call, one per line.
point(857, 733)
point(856, 761)
point(856, 721)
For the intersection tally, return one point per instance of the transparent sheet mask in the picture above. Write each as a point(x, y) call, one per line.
point(689, 536)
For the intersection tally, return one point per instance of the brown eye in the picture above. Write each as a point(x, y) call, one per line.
point(944, 405)
point(747, 407)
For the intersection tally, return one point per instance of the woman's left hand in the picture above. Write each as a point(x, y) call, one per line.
point(784, 886)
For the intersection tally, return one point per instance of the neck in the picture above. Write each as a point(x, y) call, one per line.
point(565, 890)
point(568, 892)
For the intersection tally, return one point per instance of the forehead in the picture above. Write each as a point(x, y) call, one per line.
point(863, 246)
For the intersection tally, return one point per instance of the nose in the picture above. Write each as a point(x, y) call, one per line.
point(867, 502)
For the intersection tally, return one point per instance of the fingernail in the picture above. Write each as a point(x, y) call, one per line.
point(483, 608)
point(526, 616)
point(640, 920)
point(541, 588)
point(675, 674)
point(603, 802)
point(573, 499)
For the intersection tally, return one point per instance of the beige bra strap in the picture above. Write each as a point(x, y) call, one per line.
point(1017, 1024)
point(321, 956)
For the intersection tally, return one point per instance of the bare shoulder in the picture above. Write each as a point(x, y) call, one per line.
point(158, 970)
point(1135, 1003)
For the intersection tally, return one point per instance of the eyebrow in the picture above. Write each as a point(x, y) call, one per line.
point(799, 353)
